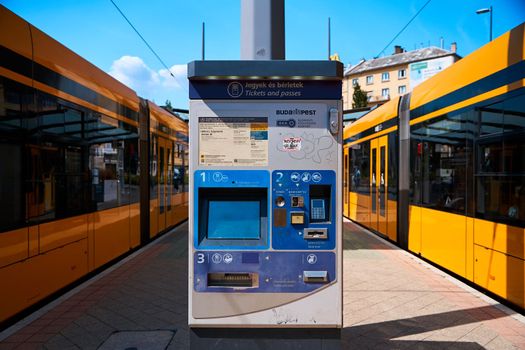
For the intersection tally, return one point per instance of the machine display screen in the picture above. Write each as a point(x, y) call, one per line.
point(234, 219)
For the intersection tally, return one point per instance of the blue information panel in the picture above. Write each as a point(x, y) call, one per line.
point(272, 272)
point(306, 194)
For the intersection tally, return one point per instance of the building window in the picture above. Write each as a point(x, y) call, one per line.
point(402, 73)
point(385, 76)
point(402, 89)
point(385, 92)
point(354, 82)
point(369, 79)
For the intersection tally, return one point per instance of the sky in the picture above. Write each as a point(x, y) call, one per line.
point(360, 29)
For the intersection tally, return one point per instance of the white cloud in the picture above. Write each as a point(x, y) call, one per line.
point(179, 72)
point(158, 86)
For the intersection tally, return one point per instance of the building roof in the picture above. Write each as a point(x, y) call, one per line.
point(398, 59)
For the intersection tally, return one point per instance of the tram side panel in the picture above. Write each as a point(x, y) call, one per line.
point(461, 202)
point(72, 213)
point(71, 167)
point(469, 194)
point(468, 169)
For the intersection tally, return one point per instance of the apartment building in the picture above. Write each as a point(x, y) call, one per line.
point(391, 76)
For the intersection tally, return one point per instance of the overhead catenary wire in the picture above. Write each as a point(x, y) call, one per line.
point(401, 31)
point(144, 40)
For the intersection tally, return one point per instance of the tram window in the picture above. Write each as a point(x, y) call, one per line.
point(502, 199)
point(131, 168)
point(360, 168)
point(416, 155)
point(441, 153)
point(108, 174)
point(491, 156)
point(392, 166)
point(500, 167)
point(153, 167)
point(73, 201)
point(16, 100)
point(185, 173)
point(514, 115)
point(73, 123)
point(11, 187)
point(491, 120)
point(178, 169)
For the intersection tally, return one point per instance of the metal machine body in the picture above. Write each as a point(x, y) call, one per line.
point(265, 246)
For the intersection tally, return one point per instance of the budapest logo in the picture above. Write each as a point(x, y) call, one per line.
point(289, 123)
point(235, 89)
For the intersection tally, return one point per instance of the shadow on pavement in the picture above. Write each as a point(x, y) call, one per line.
point(384, 334)
point(355, 238)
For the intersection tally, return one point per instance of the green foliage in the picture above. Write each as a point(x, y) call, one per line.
point(359, 99)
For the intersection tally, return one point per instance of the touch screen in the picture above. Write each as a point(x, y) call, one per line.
point(234, 219)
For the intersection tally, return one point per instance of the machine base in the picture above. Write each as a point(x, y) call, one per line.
point(265, 338)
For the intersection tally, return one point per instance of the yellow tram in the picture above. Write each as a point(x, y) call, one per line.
point(441, 170)
point(89, 172)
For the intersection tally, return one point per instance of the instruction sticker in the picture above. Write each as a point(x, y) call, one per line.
point(233, 141)
point(291, 144)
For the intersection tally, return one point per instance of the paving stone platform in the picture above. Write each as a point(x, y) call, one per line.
point(392, 300)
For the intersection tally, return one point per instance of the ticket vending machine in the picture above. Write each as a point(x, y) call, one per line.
point(265, 223)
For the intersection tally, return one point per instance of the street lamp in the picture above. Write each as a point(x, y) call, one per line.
point(485, 10)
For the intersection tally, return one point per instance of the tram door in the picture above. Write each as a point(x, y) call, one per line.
point(169, 184)
point(378, 183)
point(165, 180)
point(346, 183)
point(162, 184)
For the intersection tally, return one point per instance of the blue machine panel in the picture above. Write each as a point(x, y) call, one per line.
point(232, 207)
point(310, 193)
point(275, 272)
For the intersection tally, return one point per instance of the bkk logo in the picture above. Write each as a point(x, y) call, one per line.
point(289, 123)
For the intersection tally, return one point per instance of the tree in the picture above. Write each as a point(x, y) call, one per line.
point(168, 106)
point(359, 98)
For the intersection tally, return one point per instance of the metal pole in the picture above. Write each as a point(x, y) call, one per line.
point(203, 42)
point(262, 30)
point(329, 39)
point(491, 23)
